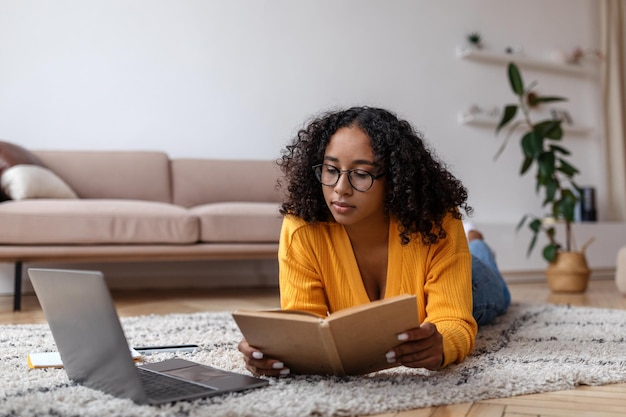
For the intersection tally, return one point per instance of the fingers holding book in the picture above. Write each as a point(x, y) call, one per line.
point(258, 364)
point(421, 347)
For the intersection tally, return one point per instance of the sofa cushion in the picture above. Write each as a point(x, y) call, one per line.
point(11, 155)
point(239, 222)
point(95, 222)
point(33, 181)
point(202, 181)
point(128, 175)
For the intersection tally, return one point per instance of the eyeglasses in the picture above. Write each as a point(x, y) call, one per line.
point(359, 179)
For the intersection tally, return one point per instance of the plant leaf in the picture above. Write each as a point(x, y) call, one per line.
point(549, 129)
point(565, 207)
point(532, 144)
point(567, 168)
point(510, 110)
point(557, 148)
point(535, 100)
point(535, 225)
point(521, 223)
point(515, 79)
point(550, 252)
point(546, 162)
point(528, 161)
point(570, 196)
point(531, 245)
point(551, 188)
point(569, 211)
point(510, 132)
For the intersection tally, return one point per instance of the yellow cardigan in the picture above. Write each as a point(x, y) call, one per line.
point(319, 273)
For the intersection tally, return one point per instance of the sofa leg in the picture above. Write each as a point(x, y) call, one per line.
point(17, 292)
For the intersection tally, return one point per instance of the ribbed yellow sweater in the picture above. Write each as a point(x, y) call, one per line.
point(319, 273)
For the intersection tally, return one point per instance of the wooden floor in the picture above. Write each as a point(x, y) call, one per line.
point(609, 401)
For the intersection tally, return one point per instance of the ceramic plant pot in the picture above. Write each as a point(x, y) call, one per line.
point(568, 272)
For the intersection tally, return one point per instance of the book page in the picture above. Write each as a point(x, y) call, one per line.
point(362, 339)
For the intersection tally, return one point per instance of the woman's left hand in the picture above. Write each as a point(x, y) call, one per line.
point(421, 347)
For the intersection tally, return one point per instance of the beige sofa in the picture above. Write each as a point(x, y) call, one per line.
point(140, 206)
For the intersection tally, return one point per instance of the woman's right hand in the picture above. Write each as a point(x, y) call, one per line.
point(258, 365)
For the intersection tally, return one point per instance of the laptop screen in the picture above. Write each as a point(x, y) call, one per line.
point(87, 330)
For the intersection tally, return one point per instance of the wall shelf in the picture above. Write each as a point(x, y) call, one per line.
point(466, 118)
point(521, 61)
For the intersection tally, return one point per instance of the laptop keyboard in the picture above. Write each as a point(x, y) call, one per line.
point(159, 386)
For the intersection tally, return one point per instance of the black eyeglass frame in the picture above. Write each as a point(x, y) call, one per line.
point(318, 174)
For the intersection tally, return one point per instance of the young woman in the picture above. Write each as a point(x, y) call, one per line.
point(370, 213)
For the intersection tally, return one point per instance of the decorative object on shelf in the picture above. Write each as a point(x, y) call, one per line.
point(476, 110)
point(576, 56)
point(475, 40)
point(587, 206)
point(518, 49)
point(477, 115)
point(541, 144)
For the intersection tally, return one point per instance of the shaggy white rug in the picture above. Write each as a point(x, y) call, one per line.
point(533, 348)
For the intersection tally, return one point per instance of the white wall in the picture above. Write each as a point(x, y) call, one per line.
point(237, 78)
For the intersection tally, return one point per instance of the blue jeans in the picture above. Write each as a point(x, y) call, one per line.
point(490, 294)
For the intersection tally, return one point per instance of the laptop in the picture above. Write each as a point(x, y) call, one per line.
point(95, 352)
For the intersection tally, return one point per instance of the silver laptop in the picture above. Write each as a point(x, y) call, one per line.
point(95, 352)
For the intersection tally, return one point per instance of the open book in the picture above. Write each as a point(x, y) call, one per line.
point(352, 341)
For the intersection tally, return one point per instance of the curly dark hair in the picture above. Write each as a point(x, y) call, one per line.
point(420, 191)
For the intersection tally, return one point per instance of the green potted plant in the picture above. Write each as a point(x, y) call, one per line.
point(475, 40)
point(543, 151)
